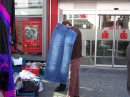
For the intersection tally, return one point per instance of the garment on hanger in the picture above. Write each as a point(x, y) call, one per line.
point(59, 55)
point(7, 21)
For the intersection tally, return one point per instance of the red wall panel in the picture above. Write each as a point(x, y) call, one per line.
point(53, 15)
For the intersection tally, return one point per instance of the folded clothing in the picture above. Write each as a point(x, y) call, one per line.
point(17, 81)
point(29, 87)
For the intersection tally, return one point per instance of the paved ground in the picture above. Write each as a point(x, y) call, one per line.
point(94, 82)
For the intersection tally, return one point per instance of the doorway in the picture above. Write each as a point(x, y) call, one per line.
point(112, 40)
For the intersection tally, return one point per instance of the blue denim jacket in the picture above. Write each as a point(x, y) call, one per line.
point(59, 55)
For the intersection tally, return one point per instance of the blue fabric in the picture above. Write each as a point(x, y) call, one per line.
point(58, 61)
point(55, 52)
point(68, 47)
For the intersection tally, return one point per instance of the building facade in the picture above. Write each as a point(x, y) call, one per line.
point(105, 27)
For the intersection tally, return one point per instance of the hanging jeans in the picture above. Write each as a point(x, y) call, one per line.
point(62, 75)
point(59, 55)
point(55, 52)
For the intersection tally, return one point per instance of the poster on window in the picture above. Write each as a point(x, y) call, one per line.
point(31, 34)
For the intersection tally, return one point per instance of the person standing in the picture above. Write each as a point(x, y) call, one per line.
point(107, 22)
point(76, 58)
point(62, 87)
point(128, 67)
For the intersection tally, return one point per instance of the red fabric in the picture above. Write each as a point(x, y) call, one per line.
point(34, 71)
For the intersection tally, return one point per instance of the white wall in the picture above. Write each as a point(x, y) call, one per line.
point(94, 5)
point(76, 5)
point(84, 5)
point(65, 5)
point(112, 5)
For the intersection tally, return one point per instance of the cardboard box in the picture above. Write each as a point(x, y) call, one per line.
point(33, 70)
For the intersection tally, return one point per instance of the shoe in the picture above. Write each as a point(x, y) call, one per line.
point(60, 89)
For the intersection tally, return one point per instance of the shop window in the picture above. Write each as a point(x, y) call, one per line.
point(29, 36)
point(28, 28)
point(107, 21)
point(84, 21)
point(65, 17)
point(28, 7)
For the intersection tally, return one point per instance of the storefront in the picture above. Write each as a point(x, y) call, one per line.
point(33, 28)
point(105, 28)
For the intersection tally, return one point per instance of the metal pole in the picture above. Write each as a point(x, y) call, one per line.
point(114, 33)
point(44, 30)
point(96, 38)
point(73, 14)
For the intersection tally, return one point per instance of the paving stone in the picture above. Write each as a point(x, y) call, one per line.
point(94, 82)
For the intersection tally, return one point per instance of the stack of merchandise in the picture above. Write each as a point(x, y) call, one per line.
point(27, 83)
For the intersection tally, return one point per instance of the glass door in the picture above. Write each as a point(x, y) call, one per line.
point(112, 40)
point(85, 20)
point(122, 33)
point(104, 46)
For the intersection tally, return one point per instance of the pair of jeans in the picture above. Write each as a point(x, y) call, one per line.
point(59, 55)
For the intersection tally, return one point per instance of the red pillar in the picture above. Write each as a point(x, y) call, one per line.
point(53, 16)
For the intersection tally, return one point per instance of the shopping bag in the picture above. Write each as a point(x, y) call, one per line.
point(18, 60)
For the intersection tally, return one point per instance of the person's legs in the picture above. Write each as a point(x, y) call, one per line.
point(77, 85)
point(74, 80)
point(77, 80)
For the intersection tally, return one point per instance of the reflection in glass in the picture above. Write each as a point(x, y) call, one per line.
point(82, 21)
point(105, 46)
point(28, 7)
point(107, 22)
point(29, 33)
point(86, 24)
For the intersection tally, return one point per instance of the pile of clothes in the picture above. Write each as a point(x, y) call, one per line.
point(27, 82)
